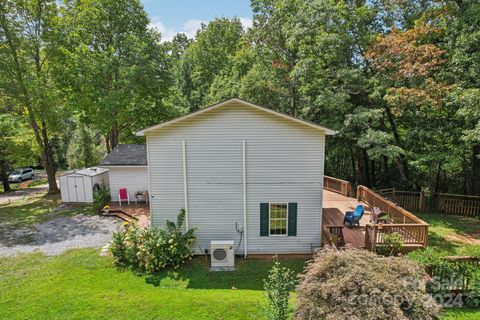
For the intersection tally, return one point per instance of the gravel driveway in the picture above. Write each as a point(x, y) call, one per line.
point(55, 236)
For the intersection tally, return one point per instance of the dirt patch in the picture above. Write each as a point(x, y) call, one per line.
point(464, 238)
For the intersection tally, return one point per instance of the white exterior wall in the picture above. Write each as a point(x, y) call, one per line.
point(284, 163)
point(132, 178)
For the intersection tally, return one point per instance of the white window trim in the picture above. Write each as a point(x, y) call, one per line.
point(269, 219)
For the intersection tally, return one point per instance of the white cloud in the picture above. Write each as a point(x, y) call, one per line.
point(189, 27)
point(246, 23)
point(167, 34)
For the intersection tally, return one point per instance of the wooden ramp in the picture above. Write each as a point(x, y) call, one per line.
point(334, 207)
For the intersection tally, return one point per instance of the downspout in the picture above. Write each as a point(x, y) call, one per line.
point(185, 189)
point(245, 252)
point(150, 196)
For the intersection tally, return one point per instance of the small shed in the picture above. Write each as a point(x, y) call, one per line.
point(77, 186)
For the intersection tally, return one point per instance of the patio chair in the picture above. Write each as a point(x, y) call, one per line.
point(353, 217)
point(141, 196)
point(123, 196)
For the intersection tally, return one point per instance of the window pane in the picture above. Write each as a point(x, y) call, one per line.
point(278, 218)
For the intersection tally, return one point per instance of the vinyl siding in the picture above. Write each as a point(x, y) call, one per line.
point(132, 178)
point(284, 163)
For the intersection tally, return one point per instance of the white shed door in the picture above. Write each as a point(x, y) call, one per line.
point(76, 192)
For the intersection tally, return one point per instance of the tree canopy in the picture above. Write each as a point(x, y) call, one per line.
point(399, 80)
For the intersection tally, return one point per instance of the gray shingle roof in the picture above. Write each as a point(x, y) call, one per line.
point(126, 155)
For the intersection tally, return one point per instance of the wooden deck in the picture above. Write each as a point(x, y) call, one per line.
point(139, 211)
point(334, 208)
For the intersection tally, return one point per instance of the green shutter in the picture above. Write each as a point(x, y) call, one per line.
point(264, 219)
point(292, 219)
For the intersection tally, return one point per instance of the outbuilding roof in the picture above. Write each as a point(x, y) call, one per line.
point(90, 172)
point(126, 155)
point(236, 101)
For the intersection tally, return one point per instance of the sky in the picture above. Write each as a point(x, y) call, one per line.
point(173, 16)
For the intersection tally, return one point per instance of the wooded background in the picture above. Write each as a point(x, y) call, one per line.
point(398, 79)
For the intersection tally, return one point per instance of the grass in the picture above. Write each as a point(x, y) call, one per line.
point(37, 208)
point(81, 285)
point(453, 235)
point(38, 182)
point(461, 314)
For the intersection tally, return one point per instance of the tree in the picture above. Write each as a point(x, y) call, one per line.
point(211, 54)
point(26, 50)
point(114, 68)
point(7, 148)
point(462, 41)
point(83, 150)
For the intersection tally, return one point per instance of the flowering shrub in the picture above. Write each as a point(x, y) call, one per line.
point(358, 284)
point(153, 249)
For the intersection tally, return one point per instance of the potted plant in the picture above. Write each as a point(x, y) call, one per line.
point(106, 209)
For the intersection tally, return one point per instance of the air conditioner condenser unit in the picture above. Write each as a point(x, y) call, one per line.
point(223, 256)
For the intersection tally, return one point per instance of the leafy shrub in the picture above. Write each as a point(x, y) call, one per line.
point(279, 283)
point(358, 284)
point(101, 197)
point(153, 249)
point(392, 245)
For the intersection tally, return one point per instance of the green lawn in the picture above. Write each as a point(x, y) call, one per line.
point(454, 235)
point(461, 314)
point(37, 208)
point(81, 285)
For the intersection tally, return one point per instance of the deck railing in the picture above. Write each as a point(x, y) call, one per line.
point(413, 230)
point(446, 203)
point(332, 235)
point(338, 186)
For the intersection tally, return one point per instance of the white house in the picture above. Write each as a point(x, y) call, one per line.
point(127, 168)
point(236, 166)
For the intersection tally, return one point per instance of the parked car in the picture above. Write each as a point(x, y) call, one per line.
point(21, 174)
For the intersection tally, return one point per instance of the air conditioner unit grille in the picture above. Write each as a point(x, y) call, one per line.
point(219, 254)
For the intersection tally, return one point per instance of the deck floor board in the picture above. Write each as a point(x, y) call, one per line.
point(334, 208)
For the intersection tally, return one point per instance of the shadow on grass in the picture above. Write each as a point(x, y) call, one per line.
point(249, 275)
point(444, 223)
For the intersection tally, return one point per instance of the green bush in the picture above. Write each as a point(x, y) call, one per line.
point(101, 197)
point(392, 245)
point(358, 284)
point(446, 273)
point(153, 249)
point(279, 283)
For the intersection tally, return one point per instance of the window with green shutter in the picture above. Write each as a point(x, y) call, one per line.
point(278, 219)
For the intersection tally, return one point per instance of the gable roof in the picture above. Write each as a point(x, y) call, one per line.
point(126, 155)
point(235, 101)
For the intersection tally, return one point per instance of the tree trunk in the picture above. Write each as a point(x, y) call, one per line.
point(49, 163)
point(113, 137)
point(366, 167)
point(4, 176)
point(107, 143)
point(437, 178)
point(401, 162)
point(476, 169)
